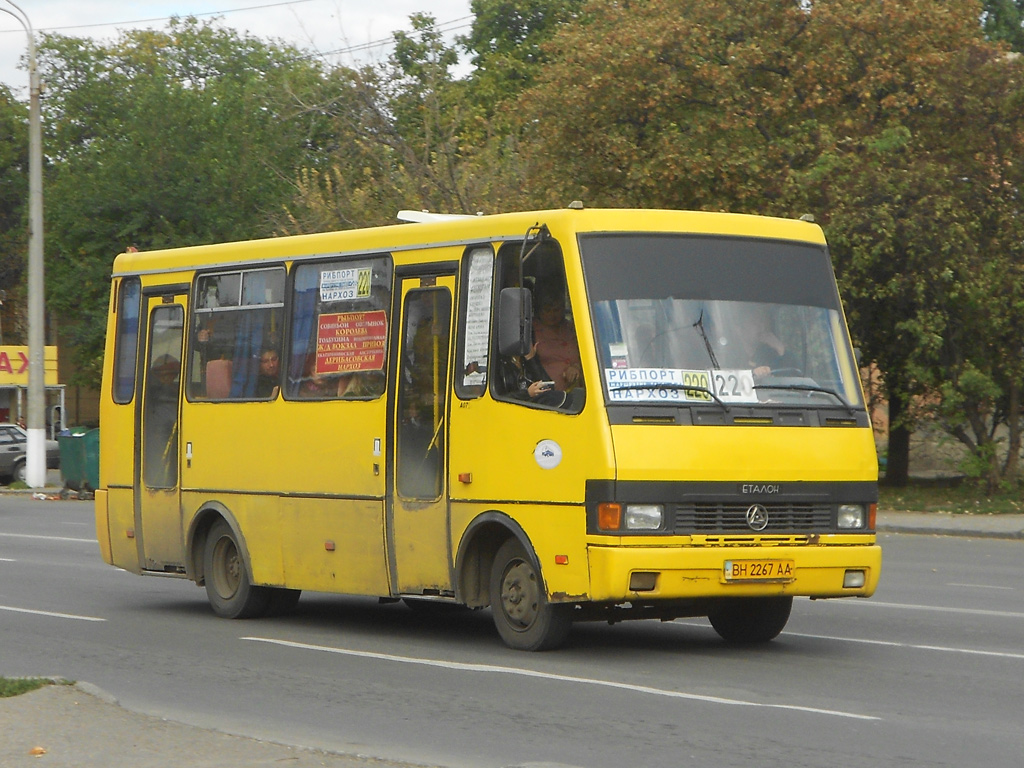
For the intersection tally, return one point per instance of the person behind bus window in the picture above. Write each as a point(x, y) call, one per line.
point(555, 337)
point(526, 379)
point(359, 384)
point(269, 374)
point(765, 352)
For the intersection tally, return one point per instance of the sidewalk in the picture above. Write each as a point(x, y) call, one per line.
point(945, 524)
point(79, 726)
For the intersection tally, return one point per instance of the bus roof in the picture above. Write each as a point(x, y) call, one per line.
point(438, 231)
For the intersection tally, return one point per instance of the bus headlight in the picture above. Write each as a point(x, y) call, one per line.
point(851, 516)
point(643, 517)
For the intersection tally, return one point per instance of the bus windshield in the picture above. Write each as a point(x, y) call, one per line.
point(691, 320)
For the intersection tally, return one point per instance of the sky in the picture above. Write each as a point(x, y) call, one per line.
point(346, 31)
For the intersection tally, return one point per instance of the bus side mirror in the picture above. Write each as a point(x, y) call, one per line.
point(515, 321)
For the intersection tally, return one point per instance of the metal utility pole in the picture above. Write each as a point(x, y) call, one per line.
point(35, 464)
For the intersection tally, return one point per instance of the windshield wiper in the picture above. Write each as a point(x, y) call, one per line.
point(699, 325)
point(674, 385)
point(810, 388)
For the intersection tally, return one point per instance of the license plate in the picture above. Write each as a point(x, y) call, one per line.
point(759, 570)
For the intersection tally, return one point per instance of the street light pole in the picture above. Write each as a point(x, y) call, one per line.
point(35, 462)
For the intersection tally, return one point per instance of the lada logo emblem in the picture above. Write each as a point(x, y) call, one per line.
point(757, 517)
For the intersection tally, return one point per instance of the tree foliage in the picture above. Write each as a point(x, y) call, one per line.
point(13, 201)
point(184, 136)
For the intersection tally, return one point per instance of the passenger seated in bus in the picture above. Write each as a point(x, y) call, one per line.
point(359, 384)
point(765, 352)
point(317, 385)
point(269, 374)
point(556, 346)
point(524, 378)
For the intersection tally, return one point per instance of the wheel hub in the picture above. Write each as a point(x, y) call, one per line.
point(520, 595)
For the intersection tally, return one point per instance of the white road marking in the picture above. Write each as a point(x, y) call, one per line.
point(936, 608)
point(46, 538)
point(463, 667)
point(51, 614)
point(914, 646)
point(981, 586)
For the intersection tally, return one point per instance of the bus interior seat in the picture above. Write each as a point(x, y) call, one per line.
point(218, 379)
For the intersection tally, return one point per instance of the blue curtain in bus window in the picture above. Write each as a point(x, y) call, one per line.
point(609, 330)
point(303, 319)
point(248, 345)
point(249, 336)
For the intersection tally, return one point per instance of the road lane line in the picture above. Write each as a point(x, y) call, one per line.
point(46, 538)
point(51, 614)
point(913, 646)
point(936, 608)
point(463, 667)
point(981, 586)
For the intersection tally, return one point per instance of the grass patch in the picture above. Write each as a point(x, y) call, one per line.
point(18, 685)
point(957, 499)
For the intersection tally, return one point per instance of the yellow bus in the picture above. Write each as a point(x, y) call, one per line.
point(561, 415)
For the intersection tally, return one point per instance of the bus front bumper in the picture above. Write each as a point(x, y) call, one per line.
point(623, 573)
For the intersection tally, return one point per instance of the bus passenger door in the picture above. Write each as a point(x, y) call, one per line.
point(157, 499)
point(418, 540)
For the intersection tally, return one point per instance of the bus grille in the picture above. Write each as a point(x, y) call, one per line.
point(716, 517)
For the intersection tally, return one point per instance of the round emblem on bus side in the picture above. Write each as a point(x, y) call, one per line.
point(757, 517)
point(547, 454)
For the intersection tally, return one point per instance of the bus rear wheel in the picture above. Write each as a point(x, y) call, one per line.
point(231, 593)
point(750, 620)
point(524, 618)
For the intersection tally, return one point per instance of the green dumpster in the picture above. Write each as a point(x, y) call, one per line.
point(80, 459)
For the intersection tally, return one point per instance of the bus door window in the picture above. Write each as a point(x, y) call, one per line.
point(339, 330)
point(160, 414)
point(423, 383)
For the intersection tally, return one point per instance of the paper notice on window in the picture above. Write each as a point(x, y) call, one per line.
point(351, 341)
point(345, 284)
point(478, 319)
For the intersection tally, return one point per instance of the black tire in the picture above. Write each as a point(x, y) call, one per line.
point(228, 585)
point(524, 618)
point(18, 472)
point(750, 620)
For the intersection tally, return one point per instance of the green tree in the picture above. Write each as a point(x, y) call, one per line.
point(13, 202)
point(507, 44)
point(164, 138)
point(1004, 20)
point(406, 135)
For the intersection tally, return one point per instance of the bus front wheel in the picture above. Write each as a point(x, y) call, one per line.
point(750, 620)
point(524, 618)
point(231, 593)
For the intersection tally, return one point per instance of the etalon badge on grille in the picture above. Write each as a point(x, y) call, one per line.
point(757, 517)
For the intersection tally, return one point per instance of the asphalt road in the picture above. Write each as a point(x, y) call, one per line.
point(926, 673)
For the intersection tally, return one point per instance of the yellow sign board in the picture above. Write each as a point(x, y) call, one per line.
point(14, 366)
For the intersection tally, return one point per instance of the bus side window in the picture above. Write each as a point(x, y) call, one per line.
point(237, 323)
point(339, 330)
point(126, 343)
point(550, 376)
point(477, 281)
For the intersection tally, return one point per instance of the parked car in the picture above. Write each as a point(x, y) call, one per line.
point(13, 442)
